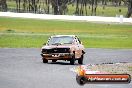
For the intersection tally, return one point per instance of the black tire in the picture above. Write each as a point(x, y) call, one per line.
point(54, 60)
point(129, 79)
point(72, 60)
point(45, 60)
point(81, 80)
point(80, 60)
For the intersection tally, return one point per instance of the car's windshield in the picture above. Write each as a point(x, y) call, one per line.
point(61, 40)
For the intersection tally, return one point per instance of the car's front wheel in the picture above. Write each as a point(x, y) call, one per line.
point(81, 80)
point(72, 60)
point(80, 60)
point(45, 60)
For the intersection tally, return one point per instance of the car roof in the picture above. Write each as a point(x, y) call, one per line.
point(63, 35)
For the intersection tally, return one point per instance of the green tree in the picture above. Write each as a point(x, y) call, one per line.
point(129, 12)
point(3, 5)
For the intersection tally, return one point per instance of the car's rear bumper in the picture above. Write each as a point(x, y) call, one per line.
point(57, 56)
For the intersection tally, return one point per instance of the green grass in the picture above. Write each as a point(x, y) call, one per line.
point(17, 41)
point(11, 4)
point(18, 32)
point(109, 11)
point(53, 26)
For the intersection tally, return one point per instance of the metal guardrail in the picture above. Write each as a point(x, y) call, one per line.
point(119, 19)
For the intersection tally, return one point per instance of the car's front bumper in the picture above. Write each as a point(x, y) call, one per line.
point(57, 56)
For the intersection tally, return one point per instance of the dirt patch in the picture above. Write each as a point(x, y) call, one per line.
point(114, 68)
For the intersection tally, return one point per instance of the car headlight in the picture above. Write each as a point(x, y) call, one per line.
point(44, 50)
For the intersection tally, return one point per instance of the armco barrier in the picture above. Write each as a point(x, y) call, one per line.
point(119, 19)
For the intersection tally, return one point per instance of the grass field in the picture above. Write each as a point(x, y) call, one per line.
point(109, 11)
point(18, 32)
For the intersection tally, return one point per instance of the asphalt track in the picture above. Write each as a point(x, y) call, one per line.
point(23, 68)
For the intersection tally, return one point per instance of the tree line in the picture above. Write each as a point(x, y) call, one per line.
point(60, 7)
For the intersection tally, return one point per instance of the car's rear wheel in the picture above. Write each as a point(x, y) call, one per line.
point(72, 60)
point(80, 60)
point(54, 60)
point(45, 60)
